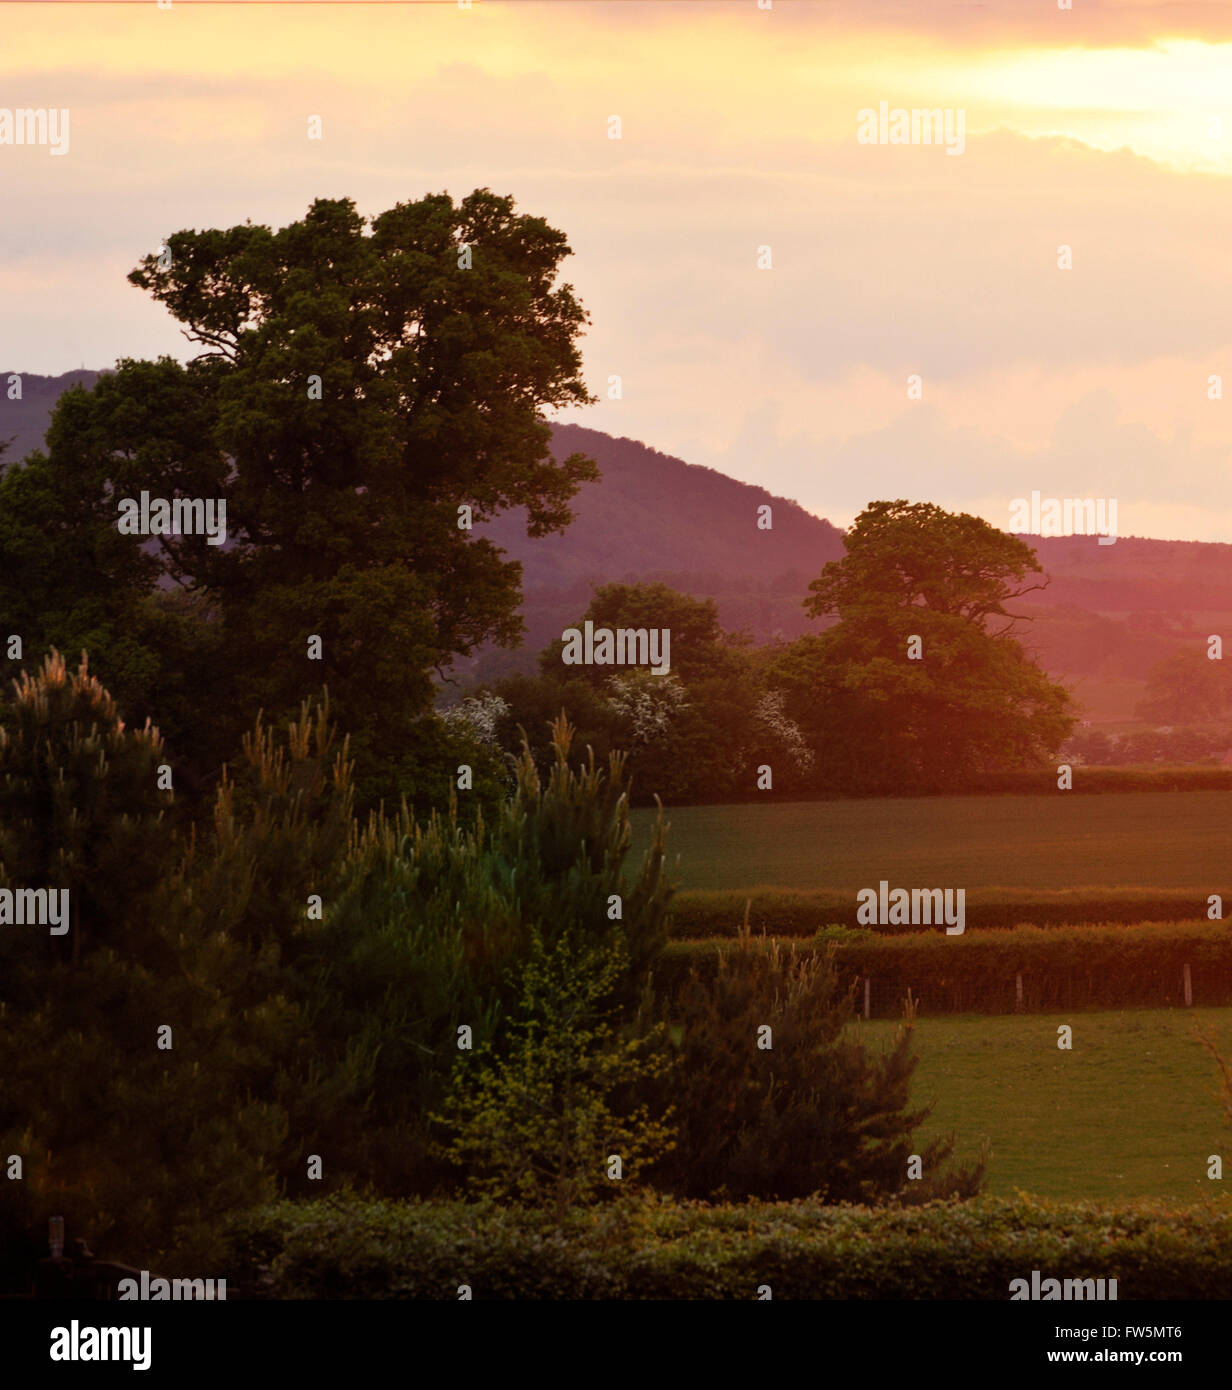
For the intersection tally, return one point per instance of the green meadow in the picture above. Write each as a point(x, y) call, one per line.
point(1132, 1111)
point(1116, 840)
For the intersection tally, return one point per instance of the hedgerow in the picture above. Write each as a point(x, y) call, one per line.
point(659, 1249)
point(1089, 967)
point(800, 912)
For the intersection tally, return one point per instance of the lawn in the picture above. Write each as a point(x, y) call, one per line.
point(1118, 840)
point(1132, 1111)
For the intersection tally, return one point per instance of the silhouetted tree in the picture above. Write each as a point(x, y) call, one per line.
point(920, 682)
point(367, 390)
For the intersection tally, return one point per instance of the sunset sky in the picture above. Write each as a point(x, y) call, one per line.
point(1107, 128)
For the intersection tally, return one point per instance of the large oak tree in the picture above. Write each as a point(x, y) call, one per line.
point(889, 714)
point(364, 390)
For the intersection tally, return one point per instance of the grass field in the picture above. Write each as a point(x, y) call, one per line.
point(1132, 1111)
point(1118, 840)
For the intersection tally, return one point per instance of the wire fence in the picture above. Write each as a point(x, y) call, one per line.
point(883, 996)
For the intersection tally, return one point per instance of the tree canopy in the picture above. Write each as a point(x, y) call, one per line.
point(367, 391)
point(919, 681)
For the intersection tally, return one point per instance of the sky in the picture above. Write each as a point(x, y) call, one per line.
point(1102, 128)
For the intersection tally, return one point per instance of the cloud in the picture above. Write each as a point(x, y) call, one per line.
point(886, 260)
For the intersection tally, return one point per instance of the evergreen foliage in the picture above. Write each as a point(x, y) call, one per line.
point(812, 1112)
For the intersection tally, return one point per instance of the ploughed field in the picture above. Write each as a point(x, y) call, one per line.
point(1063, 841)
point(1131, 1111)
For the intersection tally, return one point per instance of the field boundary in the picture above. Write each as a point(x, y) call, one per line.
point(1026, 970)
point(802, 912)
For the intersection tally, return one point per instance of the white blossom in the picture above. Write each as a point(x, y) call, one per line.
point(647, 701)
point(477, 715)
point(770, 713)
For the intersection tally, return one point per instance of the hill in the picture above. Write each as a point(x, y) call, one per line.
point(1108, 613)
point(24, 422)
point(654, 517)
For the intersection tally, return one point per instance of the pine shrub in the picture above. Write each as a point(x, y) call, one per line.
point(771, 1098)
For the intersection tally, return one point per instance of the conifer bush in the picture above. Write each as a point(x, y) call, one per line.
point(80, 806)
point(136, 1145)
point(434, 923)
point(772, 1100)
point(425, 1004)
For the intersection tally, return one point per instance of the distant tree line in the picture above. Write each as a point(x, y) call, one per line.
point(917, 685)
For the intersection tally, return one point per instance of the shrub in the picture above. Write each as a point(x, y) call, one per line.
point(127, 1140)
point(297, 1027)
point(538, 1119)
point(430, 924)
point(667, 1250)
point(80, 806)
point(772, 1100)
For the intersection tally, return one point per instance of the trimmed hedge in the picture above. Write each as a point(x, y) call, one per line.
point(1095, 967)
point(656, 1249)
point(802, 912)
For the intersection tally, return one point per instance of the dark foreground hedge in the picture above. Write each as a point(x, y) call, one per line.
point(1104, 967)
point(346, 1248)
point(802, 912)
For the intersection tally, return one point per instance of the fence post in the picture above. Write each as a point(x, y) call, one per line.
point(1018, 991)
point(867, 990)
point(1187, 981)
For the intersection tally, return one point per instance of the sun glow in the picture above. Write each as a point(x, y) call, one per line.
point(1169, 102)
